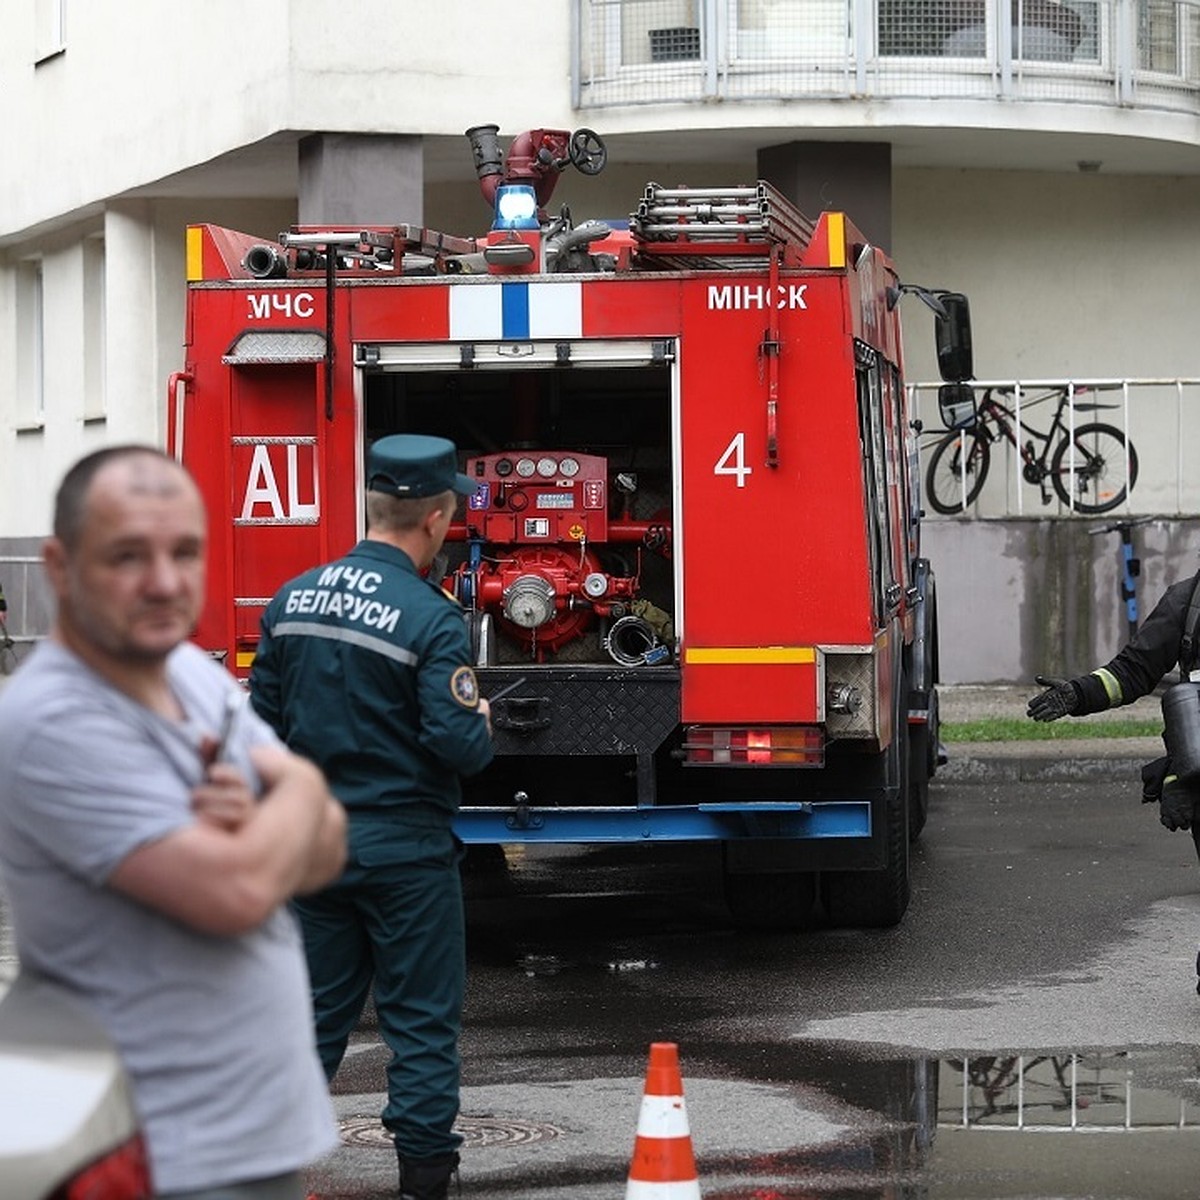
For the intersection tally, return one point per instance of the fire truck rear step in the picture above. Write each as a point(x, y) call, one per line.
point(675, 823)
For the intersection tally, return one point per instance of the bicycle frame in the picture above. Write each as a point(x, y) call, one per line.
point(1001, 415)
point(1055, 459)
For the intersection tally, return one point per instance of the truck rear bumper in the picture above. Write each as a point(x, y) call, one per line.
point(733, 821)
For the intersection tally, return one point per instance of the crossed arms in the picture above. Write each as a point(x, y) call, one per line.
point(242, 857)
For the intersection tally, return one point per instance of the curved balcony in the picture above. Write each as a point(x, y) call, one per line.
point(1127, 54)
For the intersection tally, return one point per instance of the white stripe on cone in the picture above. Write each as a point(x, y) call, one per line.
point(688, 1190)
point(662, 1117)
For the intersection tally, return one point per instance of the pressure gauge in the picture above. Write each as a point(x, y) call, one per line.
point(525, 467)
point(569, 467)
point(504, 467)
point(547, 467)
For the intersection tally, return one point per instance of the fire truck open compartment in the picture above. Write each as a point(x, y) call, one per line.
point(615, 715)
point(620, 415)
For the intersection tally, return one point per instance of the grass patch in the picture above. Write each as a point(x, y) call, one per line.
point(1022, 729)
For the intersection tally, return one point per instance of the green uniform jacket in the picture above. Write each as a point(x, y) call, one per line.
point(364, 667)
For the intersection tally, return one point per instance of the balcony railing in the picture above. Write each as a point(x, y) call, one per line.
point(1132, 53)
point(1158, 417)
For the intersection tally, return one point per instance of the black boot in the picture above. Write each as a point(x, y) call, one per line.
point(426, 1178)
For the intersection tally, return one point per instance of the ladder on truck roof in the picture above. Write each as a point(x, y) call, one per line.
point(378, 248)
point(719, 226)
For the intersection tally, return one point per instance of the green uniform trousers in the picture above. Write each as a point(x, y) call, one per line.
point(396, 929)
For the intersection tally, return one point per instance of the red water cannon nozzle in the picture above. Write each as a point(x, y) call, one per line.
point(537, 158)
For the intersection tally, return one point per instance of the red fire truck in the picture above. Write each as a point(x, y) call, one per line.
point(690, 569)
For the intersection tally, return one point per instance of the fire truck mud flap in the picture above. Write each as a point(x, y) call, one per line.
point(879, 898)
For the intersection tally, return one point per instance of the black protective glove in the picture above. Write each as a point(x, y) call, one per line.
point(1177, 808)
point(1060, 699)
point(1154, 775)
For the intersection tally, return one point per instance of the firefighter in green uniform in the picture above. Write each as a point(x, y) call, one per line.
point(364, 667)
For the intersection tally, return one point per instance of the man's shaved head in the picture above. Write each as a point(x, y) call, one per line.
point(71, 500)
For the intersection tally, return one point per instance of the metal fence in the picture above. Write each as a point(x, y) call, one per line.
point(1158, 418)
point(23, 589)
point(1133, 53)
point(1058, 1094)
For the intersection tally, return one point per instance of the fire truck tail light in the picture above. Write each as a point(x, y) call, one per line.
point(122, 1174)
point(771, 745)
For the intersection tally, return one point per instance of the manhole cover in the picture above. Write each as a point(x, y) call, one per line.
point(504, 1131)
point(477, 1132)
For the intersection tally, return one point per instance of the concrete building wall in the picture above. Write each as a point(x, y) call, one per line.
point(1026, 597)
point(1080, 274)
point(142, 90)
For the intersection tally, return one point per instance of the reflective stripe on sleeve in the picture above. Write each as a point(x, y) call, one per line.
point(354, 637)
point(1111, 685)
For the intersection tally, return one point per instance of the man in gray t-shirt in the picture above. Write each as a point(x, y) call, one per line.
point(146, 867)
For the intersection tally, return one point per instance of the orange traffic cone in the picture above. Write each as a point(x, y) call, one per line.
point(663, 1166)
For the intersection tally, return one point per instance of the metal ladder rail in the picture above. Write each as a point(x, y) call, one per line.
point(716, 217)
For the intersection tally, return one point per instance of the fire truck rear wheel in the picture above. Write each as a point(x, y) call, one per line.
point(878, 899)
point(772, 900)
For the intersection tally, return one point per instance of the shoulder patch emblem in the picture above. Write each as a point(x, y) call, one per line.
point(465, 688)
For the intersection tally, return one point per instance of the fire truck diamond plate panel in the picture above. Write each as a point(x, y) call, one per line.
point(857, 670)
point(585, 712)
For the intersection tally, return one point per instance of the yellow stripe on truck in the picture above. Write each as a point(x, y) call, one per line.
point(195, 253)
point(742, 655)
point(835, 225)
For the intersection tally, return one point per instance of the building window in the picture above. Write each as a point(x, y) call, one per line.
point(31, 375)
point(638, 32)
point(94, 324)
point(817, 31)
point(1042, 30)
point(922, 28)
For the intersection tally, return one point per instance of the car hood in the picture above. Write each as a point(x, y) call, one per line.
point(69, 1101)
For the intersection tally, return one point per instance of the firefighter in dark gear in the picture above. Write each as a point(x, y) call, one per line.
point(364, 667)
point(1168, 636)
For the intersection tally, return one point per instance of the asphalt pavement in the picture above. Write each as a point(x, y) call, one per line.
point(1081, 757)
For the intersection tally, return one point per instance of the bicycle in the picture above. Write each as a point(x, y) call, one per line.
point(1091, 470)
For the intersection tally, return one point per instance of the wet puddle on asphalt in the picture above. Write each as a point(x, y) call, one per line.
point(1016, 1126)
point(844, 1123)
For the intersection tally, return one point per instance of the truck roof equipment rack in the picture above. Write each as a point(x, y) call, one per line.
point(680, 225)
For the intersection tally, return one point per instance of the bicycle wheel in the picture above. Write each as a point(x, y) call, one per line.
point(948, 465)
point(1101, 478)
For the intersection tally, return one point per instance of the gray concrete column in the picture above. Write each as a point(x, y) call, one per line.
point(367, 179)
point(850, 177)
point(133, 386)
